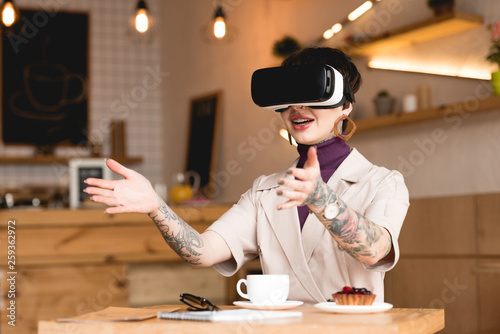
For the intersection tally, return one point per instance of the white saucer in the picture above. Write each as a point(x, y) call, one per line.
point(334, 308)
point(286, 305)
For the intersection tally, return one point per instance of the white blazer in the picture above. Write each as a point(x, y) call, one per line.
point(316, 265)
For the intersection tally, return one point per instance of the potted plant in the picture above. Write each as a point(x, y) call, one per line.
point(441, 7)
point(494, 55)
point(384, 103)
point(285, 47)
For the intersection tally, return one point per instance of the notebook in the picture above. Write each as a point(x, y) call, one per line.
point(228, 315)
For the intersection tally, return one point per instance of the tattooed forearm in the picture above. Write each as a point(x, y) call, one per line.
point(355, 234)
point(181, 237)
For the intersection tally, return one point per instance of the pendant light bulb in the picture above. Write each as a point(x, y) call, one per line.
point(142, 21)
point(10, 14)
point(219, 24)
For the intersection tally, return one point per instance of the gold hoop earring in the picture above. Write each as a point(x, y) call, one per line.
point(290, 138)
point(336, 127)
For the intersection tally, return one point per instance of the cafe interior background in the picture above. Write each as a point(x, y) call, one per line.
point(442, 133)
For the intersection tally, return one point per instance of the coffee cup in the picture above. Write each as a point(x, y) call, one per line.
point(50, 86)
point(265, 289)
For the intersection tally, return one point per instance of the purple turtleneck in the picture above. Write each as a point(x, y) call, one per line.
point(331, 153)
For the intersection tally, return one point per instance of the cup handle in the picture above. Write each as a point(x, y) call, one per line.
point(196, 180)
point(238, 288)
point(80, 81)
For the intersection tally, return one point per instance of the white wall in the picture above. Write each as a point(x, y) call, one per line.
point(464, 159)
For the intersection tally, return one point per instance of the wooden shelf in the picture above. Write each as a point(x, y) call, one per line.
point(461, 108)
point(45, 160)
point(423, 31)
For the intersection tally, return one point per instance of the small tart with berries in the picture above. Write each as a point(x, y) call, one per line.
point(353, 296)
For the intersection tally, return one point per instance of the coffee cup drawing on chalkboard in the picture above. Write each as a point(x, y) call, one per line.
point(48, 88)
point(45, 82)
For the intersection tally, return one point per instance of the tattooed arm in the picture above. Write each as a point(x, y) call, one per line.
point(362, 239)
point(134, 193)
point(199, 250)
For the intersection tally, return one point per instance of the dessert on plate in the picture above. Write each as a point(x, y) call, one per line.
point(353, 296)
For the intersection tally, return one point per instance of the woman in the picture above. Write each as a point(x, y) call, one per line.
point(349, 212)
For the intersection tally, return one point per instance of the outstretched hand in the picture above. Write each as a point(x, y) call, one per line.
point(306, 185)
point(133, 193)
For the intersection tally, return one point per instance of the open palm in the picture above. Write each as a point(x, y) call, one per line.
point(133, 193)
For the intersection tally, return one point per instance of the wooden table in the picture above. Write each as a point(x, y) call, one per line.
point(396, 320)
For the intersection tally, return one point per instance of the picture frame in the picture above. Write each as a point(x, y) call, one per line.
point(79, 170)
point(203, 140)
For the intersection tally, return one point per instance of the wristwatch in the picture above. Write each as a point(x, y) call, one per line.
point(331, 210)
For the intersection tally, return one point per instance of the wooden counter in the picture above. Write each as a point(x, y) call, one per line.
point(89, 236)
point(73, 261)
point(313, 320)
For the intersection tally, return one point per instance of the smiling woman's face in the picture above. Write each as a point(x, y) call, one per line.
point(311, 126)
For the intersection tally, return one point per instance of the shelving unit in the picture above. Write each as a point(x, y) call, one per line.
point(467, 107)
point(426, 30)
point(46, 160)
point(423, 31)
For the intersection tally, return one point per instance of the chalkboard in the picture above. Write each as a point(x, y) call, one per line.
point(44, 79)
point(203, 139)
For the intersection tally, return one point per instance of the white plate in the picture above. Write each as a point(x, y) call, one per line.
point(334, 308)
point(285, 306)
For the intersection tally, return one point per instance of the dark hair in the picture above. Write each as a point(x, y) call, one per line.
point(327, 56)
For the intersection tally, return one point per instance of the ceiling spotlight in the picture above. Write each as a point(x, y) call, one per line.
point(328, 34)
point(332, 31)
point(360, 11)
point(336, 28)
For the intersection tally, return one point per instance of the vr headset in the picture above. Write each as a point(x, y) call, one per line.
point(315, 86)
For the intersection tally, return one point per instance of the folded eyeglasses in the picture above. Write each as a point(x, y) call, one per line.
point(196, 303)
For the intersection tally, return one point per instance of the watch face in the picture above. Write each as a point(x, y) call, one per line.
point(331, 211)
